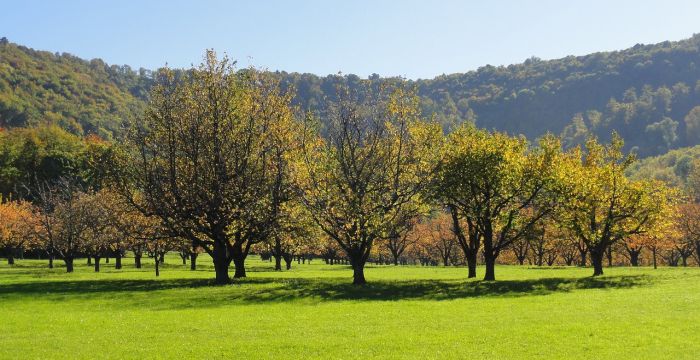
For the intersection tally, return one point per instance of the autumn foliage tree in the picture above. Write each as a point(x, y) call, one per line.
point(16, 228)
point(436, 238)
point(498, 186)
point(206, 158)
point(63, 219)
point(361, 173)
point(602, 206)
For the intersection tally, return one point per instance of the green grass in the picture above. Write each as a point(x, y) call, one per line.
point(314, 312)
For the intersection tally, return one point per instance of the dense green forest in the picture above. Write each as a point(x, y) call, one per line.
point(649, 94)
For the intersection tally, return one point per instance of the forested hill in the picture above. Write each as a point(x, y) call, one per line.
point(645, 93)
point(648, 93)
point(38, 87)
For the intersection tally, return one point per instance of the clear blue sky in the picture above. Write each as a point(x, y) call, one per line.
point(416, 39)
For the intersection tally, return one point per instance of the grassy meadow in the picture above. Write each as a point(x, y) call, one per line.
point(312, 311)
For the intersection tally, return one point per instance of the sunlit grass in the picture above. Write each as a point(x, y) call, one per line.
point(312, 311)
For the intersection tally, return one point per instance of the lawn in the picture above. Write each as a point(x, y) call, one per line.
point(312, 311)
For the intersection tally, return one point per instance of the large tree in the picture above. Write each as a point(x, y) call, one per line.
point(602, 206)
point(360, 174)
point(209, 148)
point(498, 187)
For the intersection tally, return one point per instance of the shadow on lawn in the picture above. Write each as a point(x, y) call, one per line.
point(266, 290)
point(434, 289)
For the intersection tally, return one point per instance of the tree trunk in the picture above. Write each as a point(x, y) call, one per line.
point(161, 258)
point(470, 247)
point(193, 261)
point(490, 262)
point(582, 263)
point(238, 255)
point(489, 255)
point(358, 274)
point(118, 260)
point(221, 263)
point(69, 264)
point(157, 267)
point(137, 260)
point(278, 254)
point(106, 259)
point(184, 259)
point(608, 253)
point(97, 264)
point(597, 261)
point(50, 261)
point(634, 257)
point(539, 257)
point(288, 261)
point(653, 251)
point(278, 262)
point(239, 264)
point(89, 260)
point(10, 255)
point(471, 266)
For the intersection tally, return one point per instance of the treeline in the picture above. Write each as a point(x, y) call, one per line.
point(648, 94)
point(222, 162)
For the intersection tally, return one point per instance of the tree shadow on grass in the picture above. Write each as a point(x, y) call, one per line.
point(434, 289)
point(143, 292)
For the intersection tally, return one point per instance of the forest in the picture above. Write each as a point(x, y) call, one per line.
point(648, 94)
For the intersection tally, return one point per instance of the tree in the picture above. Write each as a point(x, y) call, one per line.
point(294, 234)
point(602, 206)
point(206, 163)
point(567, 249)
point(16, 227)
point(541, 244)
point(136, 229)
point(502, 188)
point(520, 249)
point(688, 227)
point(375, 159)
point(633, 245)
point(435, 236)
point(399, 239)
point(692, 125)
point(63, 219)
point(469, 243)
point(104, 218)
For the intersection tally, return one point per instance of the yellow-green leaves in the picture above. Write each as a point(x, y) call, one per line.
point(601, 206)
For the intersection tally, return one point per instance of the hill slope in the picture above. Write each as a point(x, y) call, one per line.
point(648, 93)
point(672, 167)
point(645, 93)
point(78, 95)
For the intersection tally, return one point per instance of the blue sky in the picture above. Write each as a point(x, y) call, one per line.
point(415, 39)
